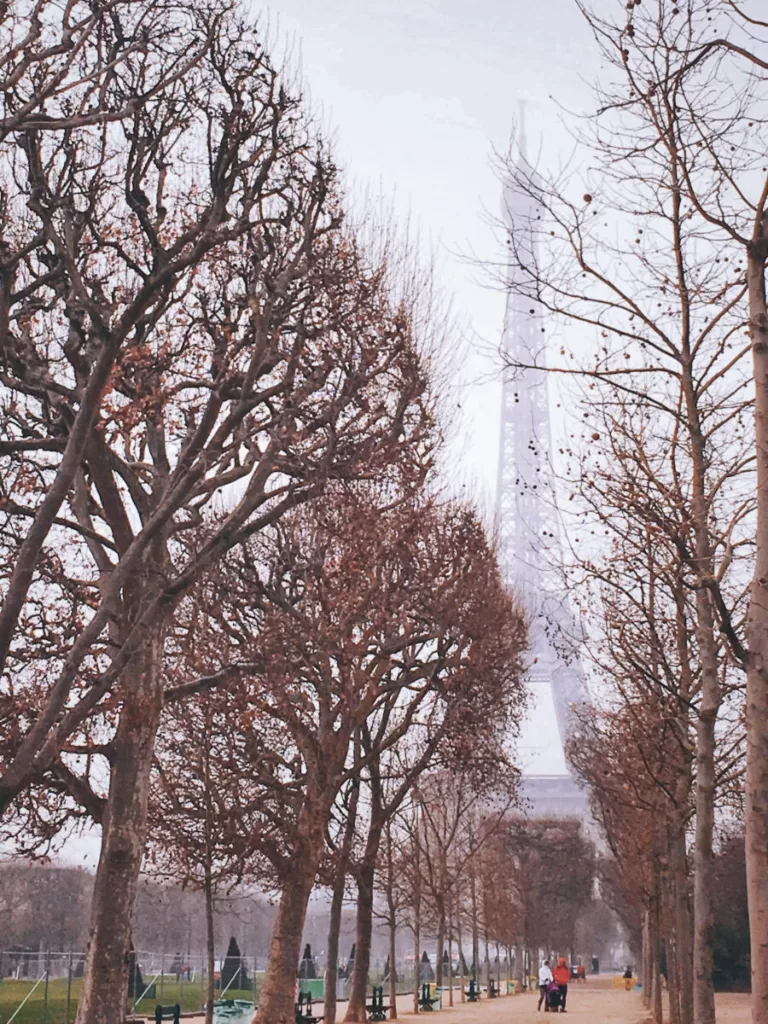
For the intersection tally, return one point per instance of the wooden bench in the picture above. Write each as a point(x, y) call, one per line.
point(167, 1013)
point(304, 1013)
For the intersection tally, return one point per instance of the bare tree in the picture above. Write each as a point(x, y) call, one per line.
point(194, 837)
point(347, 612)
point(478, 710)
point(392, 868)
point(450, 801)
point(647, 252)
point(637, 590)
point(697, 74)
point(341, 845)
point(192, 344)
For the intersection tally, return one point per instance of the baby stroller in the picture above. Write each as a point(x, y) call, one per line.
point(553, 998)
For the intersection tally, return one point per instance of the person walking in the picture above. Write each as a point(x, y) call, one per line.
point(545, 980)
point(628, 979)
point(562, 975)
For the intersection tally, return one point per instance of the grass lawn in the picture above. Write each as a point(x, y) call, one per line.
point(35, 1011)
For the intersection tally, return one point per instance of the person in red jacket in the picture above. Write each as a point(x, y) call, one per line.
point(562, 975)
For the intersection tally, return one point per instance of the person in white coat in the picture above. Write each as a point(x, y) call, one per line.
point(545, 979)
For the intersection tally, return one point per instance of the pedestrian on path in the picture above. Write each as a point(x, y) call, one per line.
point(562, 975)
point(628, 979)
point(545, 979)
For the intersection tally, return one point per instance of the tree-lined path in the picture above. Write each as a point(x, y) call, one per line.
point(593, 1003)
point(597, 1002)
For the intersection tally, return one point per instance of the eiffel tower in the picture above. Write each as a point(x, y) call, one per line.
point(527, 524)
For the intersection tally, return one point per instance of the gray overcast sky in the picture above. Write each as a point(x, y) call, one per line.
point(419, 94)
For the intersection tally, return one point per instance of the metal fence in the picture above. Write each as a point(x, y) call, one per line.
point(42, 987)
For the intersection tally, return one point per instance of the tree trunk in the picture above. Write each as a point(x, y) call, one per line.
point(208, 871)
point(440, 945)
point(278, 993)
point(363, 929)
point(757, 638)
point(658, 1014)
point(475, 926)
point(701, 506)
point(337, 904)
point(417, 954)
point(105, 981)
point(450, 959)
point(392, 970)
point(462, 993)
point(682, 926)
point(210, 945)
point(646, 956)
point(669, 906)
point(332, 953)
point(703, 854)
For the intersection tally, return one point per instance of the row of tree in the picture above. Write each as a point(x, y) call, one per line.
point(379, 645)
point(45, 907)
point(657, 250)
point(238, 623)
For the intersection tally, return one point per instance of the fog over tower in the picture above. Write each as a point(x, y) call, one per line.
point(526, 514)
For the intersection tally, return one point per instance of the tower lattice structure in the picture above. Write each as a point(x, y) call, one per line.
point(528, 528)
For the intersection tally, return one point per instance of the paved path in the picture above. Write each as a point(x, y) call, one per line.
point(594, 1003)
point(597, 1002)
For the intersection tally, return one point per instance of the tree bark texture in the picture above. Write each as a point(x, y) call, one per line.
point(363, 930)
point(670, 946)
point(277, 1000)
point(105, 981)
point(647, 973)
point(332, 959)
point(682, 925)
